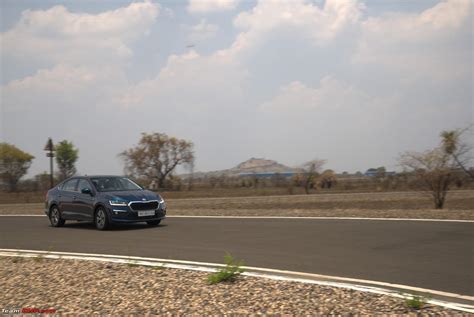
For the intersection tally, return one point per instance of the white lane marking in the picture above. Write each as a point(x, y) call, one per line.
point(288, 217)
point(322, 218)
point(211, 267)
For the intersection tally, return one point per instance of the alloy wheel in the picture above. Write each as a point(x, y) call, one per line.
point(100, 219)
point(55, 216)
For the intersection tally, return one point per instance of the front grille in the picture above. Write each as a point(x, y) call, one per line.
point(145, 205)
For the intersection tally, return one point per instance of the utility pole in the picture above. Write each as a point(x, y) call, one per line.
point(49, 148)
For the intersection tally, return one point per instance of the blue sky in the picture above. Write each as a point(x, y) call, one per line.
point(353, 82)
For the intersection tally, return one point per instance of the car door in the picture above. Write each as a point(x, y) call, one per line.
point(83, 203)
point(66, 196)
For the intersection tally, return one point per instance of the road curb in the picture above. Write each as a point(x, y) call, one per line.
point(444, 299)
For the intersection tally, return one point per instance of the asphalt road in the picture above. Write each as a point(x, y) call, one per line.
point(433, 255)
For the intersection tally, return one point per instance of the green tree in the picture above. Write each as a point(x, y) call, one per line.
point(156, 156)
point(14, 163)
point(66, 157)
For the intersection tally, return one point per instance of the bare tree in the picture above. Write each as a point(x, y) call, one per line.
point(461, 152)
point(312, 170)
point(433, 171)
point(156, 156)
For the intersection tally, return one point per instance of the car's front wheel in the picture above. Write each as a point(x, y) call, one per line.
point(101, 220)
point(153, 222)
point(55, 217)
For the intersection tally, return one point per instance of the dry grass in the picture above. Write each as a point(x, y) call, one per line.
point(459, 200)
point(460, 205)
point(22, 197)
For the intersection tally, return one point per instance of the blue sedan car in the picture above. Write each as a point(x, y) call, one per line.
point(104, 200)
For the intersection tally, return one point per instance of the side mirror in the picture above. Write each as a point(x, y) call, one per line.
point(86, 191)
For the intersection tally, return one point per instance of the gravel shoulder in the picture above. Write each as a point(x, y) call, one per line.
point(85, 287)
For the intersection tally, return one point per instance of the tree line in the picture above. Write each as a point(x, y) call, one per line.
point(156, 156)
point(14, 163)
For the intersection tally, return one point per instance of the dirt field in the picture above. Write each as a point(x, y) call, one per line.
point(460, 205)
point(38, 197)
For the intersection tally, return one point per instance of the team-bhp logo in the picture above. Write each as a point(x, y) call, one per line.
point(28, 310)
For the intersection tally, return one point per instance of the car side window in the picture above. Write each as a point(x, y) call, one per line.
point(83, 184)
point(70, 185)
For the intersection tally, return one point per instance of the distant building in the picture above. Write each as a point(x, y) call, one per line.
point(372, 172)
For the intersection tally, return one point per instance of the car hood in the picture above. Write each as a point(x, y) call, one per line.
point(132, 195)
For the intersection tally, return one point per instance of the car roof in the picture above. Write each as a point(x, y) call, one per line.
point(99, 176)
point(89, 177)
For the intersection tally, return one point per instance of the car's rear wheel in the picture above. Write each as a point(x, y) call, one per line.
point(100, 219)
point(153, 222)
point(55, 217)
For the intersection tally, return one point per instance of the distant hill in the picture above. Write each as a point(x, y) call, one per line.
point(260, 165)
point(252, 165)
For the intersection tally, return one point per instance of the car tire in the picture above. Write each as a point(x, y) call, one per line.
point(55, 217)
point(101, 220)
point(153, 222)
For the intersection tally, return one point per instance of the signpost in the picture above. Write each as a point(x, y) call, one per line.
point(49, 148)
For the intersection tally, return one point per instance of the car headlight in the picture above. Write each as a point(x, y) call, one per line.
point(162, 204)
point(117, 202)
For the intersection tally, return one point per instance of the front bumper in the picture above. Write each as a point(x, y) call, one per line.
point(125, 215)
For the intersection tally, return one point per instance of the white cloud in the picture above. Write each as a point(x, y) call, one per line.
point(204, 6)
point(420, 45)
point(324, 22)
point(331, 94)
point(209, 82)
point(64, 85)
point(57, 35)
point(318, 25)
point(447, 14)
point(202, 31)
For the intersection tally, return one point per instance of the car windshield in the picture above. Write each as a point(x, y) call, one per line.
point(112, 184)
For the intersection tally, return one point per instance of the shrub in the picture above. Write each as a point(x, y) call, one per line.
point(39, 258)
point(415, 302)
point(227, 273)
